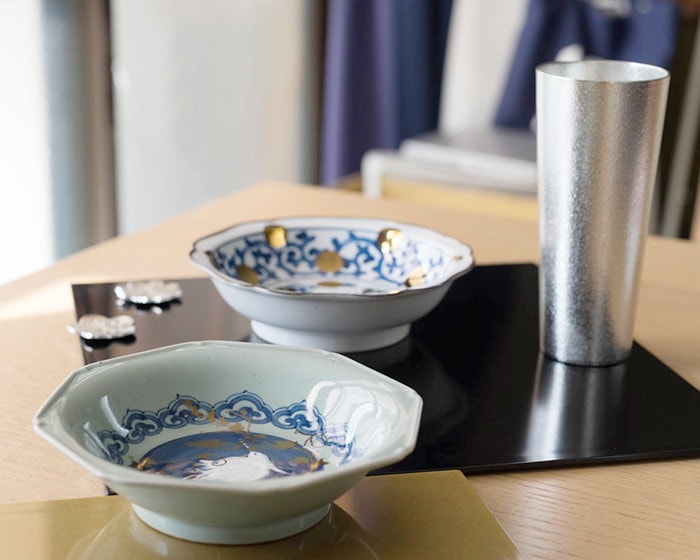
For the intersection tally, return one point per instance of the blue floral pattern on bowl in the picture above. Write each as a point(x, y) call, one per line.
point(366, 267)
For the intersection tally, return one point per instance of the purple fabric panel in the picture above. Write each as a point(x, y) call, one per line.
point(383, 73)
point(360, 82)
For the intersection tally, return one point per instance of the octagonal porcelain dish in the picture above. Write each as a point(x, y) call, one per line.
point(231, 442)
point(340, 284)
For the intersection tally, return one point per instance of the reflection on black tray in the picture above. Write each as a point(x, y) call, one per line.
point(491, 402)
point(445, 404)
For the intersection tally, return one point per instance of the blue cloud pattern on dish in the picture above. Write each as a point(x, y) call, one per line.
point(228, 447)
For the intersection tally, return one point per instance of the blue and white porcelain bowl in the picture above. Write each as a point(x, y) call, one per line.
point(340, 284)
point(231, 442)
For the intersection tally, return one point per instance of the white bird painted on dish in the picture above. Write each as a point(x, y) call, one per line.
point(254, 466)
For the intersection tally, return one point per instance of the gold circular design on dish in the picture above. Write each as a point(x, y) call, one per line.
point(276, 236)
point(247, 274)
point(389, 239)
point(330, 284)
point(329, 261)
point(416, 277)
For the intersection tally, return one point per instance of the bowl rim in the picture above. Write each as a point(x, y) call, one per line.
point(46, 426)
point(200, 247)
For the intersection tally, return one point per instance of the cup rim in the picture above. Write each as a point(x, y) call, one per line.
point(603, 71)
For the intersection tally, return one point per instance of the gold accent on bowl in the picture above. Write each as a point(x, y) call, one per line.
point(276, 236)
point(247, 274)
point(330, 284)
point(416, 277)
point(389, 239)
point(212, 259)
point(329, 261)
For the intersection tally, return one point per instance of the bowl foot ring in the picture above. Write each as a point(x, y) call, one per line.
point(216, 534)
point(334, 342)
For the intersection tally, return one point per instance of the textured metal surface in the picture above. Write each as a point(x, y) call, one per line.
point(599, 126)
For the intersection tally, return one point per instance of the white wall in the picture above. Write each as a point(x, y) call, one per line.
point(55, 139)
point(211, 96)
point(25, 209)
point(481, 43)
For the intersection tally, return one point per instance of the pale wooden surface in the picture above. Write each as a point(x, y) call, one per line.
point(695, 224)
point(519, 206)
point(648, 510)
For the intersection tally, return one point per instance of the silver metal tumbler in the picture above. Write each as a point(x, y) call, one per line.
point(599, 127)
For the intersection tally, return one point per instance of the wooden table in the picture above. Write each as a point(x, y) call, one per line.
point(645, 510)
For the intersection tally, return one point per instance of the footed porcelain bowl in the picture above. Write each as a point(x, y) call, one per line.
point(231, 442)
point(340, 284)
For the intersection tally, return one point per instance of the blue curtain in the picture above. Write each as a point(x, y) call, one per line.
point(382, 77)
point(637, 32)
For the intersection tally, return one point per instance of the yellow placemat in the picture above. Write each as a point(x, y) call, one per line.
point(408, 516)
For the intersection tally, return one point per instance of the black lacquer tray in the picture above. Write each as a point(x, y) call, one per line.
point(491, 402)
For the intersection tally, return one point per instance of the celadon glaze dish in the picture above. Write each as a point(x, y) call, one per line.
point(231, 442)
point(340, 284)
